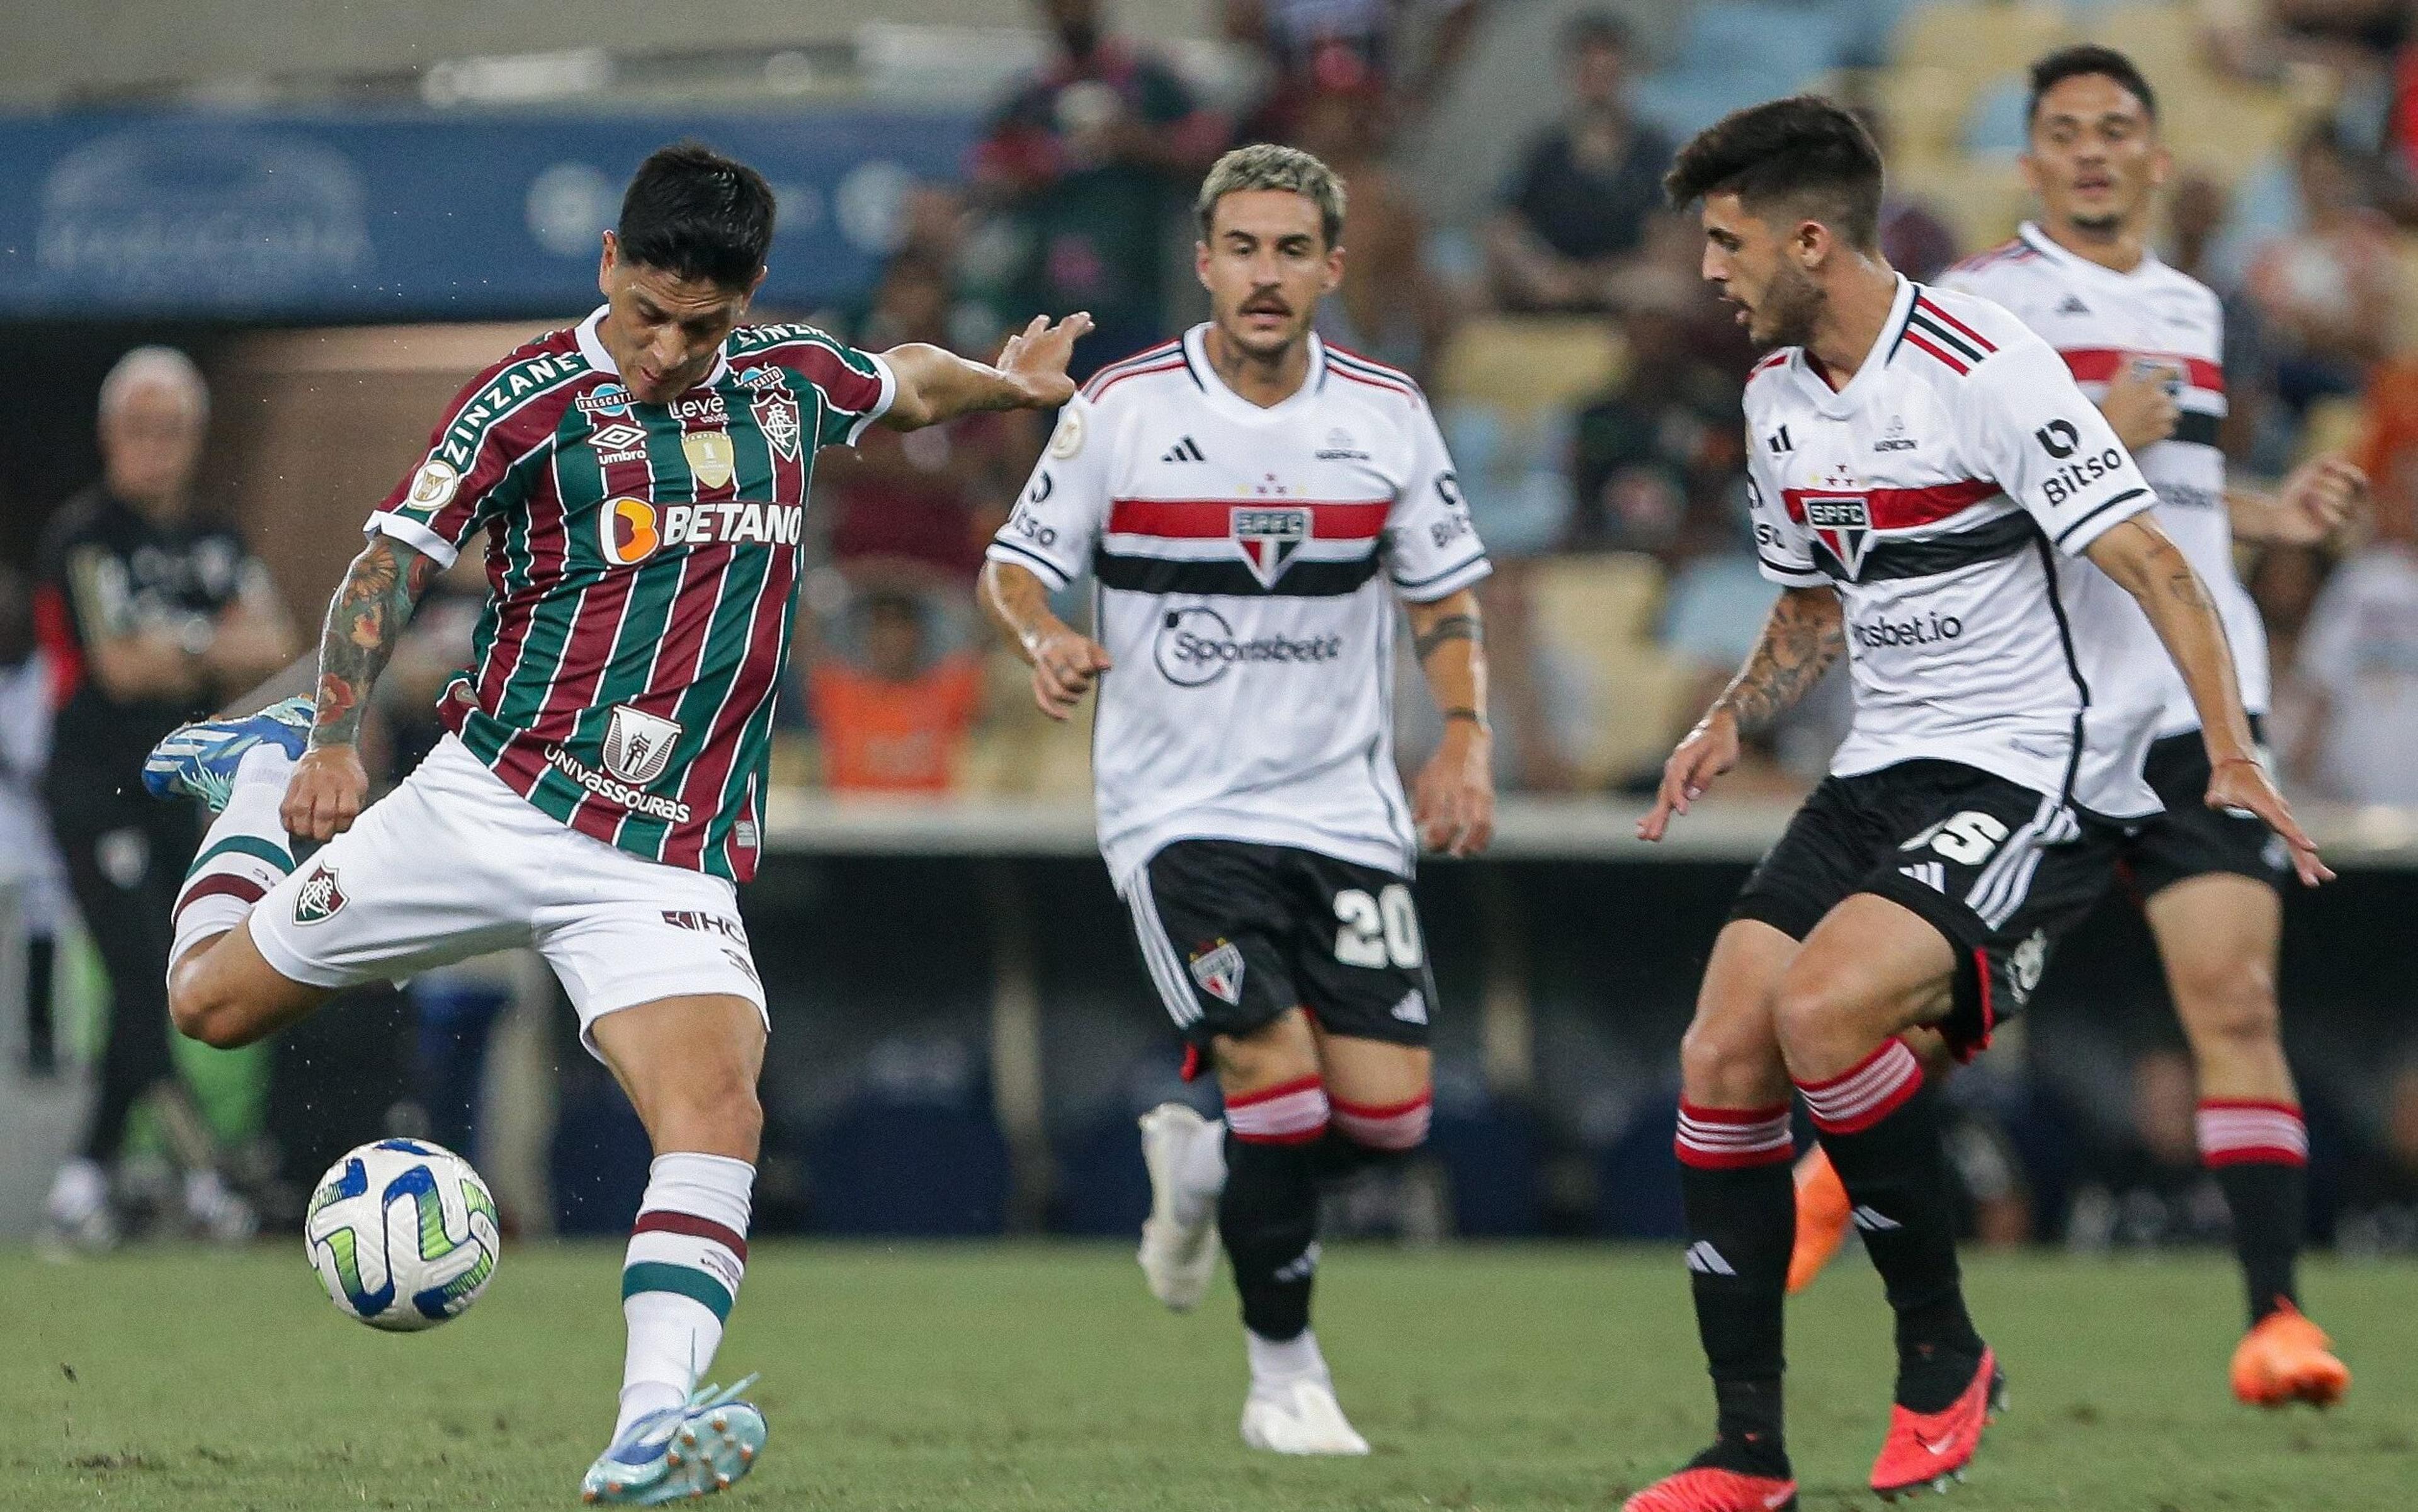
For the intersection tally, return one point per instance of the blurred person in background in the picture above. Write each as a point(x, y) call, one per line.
point(1392, 307)
point(2380, 1206)
point(899, 720)
point(1088, 160)
point(2142, 1185)
point(1575, 211)
point(2359, 659)
point(915, 509)
point(1657, 462)
point(1399, 54)
point(2328, 292)
point(1914, 238)
point(151, 613)
point(43, 905)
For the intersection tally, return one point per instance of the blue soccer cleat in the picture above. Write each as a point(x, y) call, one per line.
point(198, 760)
point(680, 1452)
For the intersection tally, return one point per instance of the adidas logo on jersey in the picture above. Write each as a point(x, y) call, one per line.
point(1705, 1259)
point(1413, 1009)
point(1931, 874)
point(1872, 1222)
point(1186, 450)
point(2072, 305)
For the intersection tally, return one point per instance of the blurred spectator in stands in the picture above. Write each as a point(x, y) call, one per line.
point(2379, 1204)
point(1574, 213)
point(898, 723)
point(1090, 161)
point(1392, 306)
point(1656, 462)
point(2284, 583)
point(152, 614)
point(2199, 210)
point(1914, 238)
point(2145, 1186)
point(916, 510)
point(33, 865)
point(1398, 55)
point(2328, 292)
point(2359, 658)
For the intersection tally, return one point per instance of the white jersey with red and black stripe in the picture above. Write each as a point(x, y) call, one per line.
point(2099, 319)
point(1944, 491)
point(1245, 559)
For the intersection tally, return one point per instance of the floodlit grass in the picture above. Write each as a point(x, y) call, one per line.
point(1039, 1377)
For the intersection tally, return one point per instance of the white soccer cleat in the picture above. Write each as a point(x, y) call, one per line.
point(1177, 1259)
point(1299, 1418)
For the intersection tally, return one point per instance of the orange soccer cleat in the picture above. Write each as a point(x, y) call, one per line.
point(2288, 1359)
point(1823, 1213)
point(1707, 1488)
point(1933, 1448)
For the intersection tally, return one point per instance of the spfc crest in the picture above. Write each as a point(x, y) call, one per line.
point(637, 745)
point(1220, 972)
point(776, 415)
point(320, 899)
point(1268, 538)
point(1845, 528)
point(709, 457)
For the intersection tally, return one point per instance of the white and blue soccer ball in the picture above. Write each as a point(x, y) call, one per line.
point(402, 1234)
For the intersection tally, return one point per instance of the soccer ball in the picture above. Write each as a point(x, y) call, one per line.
point(402, 1234)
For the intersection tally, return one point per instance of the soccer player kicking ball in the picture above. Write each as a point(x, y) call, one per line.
point(641, 480)
point(2146, 342)
point(1936, 497)
point(1249, 500)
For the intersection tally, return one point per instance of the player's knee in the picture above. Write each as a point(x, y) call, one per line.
point(2229, 1009)
point(1730, 1061)
point(1815, 1011)
point(1385, 1128)
point(714, 1109)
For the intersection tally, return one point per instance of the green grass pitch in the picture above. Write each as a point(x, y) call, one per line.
point(1040, 1376)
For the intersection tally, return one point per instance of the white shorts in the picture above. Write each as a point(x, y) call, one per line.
point(454, 865)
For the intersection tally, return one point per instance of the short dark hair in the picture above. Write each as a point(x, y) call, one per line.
point(695, 214)
point(1804, 149)
point(2083, 60)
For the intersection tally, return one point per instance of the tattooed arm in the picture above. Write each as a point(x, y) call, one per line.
point(364, 620)
point(1802, 637)
point(2146, 563)
point(1453, 797)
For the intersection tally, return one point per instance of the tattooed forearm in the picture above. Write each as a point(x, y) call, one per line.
point(1803, 635)
point(1451, 627)
point(364, 620)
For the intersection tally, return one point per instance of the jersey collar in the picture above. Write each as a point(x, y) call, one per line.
point(1196, 357)
point(2041, 242)
point(1839, 402)
point(591, 346)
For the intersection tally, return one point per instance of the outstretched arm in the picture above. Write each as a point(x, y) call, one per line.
point(936, 385)
point(364, 620)
point(1802, 635)
point(1453, 798)
point(2146, 563)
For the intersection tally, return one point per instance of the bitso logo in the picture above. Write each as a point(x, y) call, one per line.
point(2058, 438)
point(638, 745)
point(432, 486)
point(1218, 969)
point(628, 531)
point(320, 899)
point(1268, 539)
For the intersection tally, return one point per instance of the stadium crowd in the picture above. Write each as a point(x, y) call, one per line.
point(1588, 386)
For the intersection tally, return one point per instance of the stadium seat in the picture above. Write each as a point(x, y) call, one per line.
point(1979, 38)
point(1598, 611)
point(1796, 40)
point(2163, 40)
point(1525, 364)
point(1925, 109)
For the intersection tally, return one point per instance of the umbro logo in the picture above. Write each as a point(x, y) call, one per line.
point(1186, 450)
point(2072, 305)
point(1872, 1221)
point(1705, 1259)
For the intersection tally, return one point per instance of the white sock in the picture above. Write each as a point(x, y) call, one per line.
point(246, 853)
point(77, 1191)
point(687, 1253)
point(1200, 1175)
point(1277, 1364)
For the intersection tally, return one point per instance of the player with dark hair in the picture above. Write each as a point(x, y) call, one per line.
point(641, 480)
point(1936, 500)
point(2146, 342)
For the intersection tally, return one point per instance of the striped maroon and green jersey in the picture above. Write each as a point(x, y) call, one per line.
point(643, 564)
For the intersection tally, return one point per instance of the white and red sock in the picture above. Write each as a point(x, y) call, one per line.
point(1390, 1126)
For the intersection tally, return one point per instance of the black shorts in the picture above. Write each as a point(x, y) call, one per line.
point(1993, 866)
point(2191, 839)
point(1235, 934)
